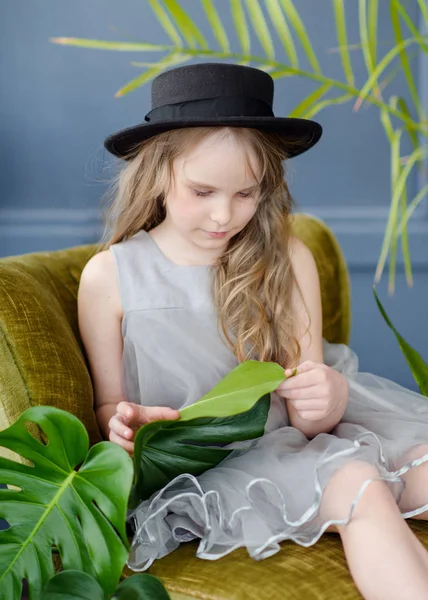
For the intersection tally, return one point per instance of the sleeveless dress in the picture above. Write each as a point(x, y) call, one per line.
point(269, 489)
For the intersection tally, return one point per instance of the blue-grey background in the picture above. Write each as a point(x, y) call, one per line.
point(58, 105)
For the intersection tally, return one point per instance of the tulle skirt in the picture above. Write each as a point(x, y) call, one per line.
point(271, 489)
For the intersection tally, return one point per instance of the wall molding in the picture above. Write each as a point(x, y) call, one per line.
point(359, 230)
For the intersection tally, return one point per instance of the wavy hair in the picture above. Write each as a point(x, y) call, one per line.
point(253, 278)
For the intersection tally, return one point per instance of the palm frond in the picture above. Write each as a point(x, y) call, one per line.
point(260, 26)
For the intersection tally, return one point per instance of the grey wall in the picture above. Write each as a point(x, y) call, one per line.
point(58, 105)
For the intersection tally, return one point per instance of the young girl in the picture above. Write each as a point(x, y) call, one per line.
point(198, 272)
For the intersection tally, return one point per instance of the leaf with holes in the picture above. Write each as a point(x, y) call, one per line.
point(235, 410)
point(81, 510)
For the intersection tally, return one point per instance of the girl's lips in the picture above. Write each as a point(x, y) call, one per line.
point(213, 234)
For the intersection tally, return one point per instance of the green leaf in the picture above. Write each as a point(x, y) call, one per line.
point(238, 391)
point(167, 62)
point(77, 585)
point(216, 24)
point(166, 22)
point(372, 28)
point(281, 27)
point(395, 9)
point(303, 107)
point(82, 513)
point(376, 73)
point(295, 20)
point(364, 36)
point(236, 409)
point(240, 21)
point(73, 585)
point(342, 38)
point(141, 587)
point(260, 27)
point(184, 23)
point(417, 365)
point(105, 45)
point(413, 205)
point(420, 153)
point(316, 108)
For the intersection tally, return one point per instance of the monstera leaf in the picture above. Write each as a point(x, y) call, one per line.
point(75, 585)
point(80, 512)
point(235, 410)
point(415, 361)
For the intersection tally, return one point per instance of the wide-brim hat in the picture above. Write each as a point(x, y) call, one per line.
point(214, 94)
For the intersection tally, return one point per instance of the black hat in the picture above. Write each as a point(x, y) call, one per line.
point(213, 94)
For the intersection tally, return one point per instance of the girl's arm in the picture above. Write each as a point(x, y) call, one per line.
point(100, 320)
point(332, 386)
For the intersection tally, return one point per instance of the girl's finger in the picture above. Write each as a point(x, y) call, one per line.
point(126, 410)
point(306, 393)
point(307, 365)
point(304, 405)
point(306, 379)
point(312, 415)
point(117, 425)
point(158, 413)
point(120, 441)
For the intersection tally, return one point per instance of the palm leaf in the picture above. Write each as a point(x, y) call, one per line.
point(258, 21)
point(372, 28)
point(216, 25)
point(166, 22)
point(184, 23)
point(167, 62)
point(342, 38)
point(316, 108)
point(81, 512)
point(106, 45)
point(281, 27)
point(419, 154)
point(72, 585)
point(305, 105)
point(236, 409)
point(295, 20)
point(377, 72)
point(239, 19)
point(415, 361)
point(395, 8)
point(413, 205)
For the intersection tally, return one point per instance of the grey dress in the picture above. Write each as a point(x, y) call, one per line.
point(267, 490)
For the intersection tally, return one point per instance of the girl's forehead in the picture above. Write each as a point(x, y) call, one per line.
point(219, 152)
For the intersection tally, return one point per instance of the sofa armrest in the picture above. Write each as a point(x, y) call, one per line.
point(41, 354)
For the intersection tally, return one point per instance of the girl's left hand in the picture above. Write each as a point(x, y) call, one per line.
point(315, 391)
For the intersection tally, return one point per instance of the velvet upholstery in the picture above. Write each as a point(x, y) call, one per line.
point(43, 362)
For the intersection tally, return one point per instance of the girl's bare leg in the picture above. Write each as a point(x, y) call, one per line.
point(381, 550)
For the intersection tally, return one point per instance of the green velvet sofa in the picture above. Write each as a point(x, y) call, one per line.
point(43, 361)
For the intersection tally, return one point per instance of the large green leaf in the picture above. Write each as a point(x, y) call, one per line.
point(236, 409)
point(81, 512)
point(416, 363)
point(77, 585)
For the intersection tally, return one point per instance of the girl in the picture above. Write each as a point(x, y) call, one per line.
point(198, 272)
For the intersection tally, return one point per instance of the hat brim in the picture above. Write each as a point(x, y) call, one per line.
point(302, 134)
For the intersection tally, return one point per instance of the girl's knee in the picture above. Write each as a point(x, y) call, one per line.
point(414, 453)
point(344, 487)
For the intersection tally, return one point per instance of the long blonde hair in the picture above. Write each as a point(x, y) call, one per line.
point(253, 278)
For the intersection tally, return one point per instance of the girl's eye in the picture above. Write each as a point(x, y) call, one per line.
point(242, 194)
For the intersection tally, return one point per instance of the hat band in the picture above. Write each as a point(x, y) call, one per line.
point(212, 108)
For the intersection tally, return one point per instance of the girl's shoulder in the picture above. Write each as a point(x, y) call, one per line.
point(100, 278)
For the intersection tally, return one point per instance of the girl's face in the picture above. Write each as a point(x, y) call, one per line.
point(212, 192)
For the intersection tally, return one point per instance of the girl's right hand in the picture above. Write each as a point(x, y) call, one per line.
point(130, 417)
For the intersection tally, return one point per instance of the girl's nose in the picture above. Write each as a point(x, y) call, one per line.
point(221, 213)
